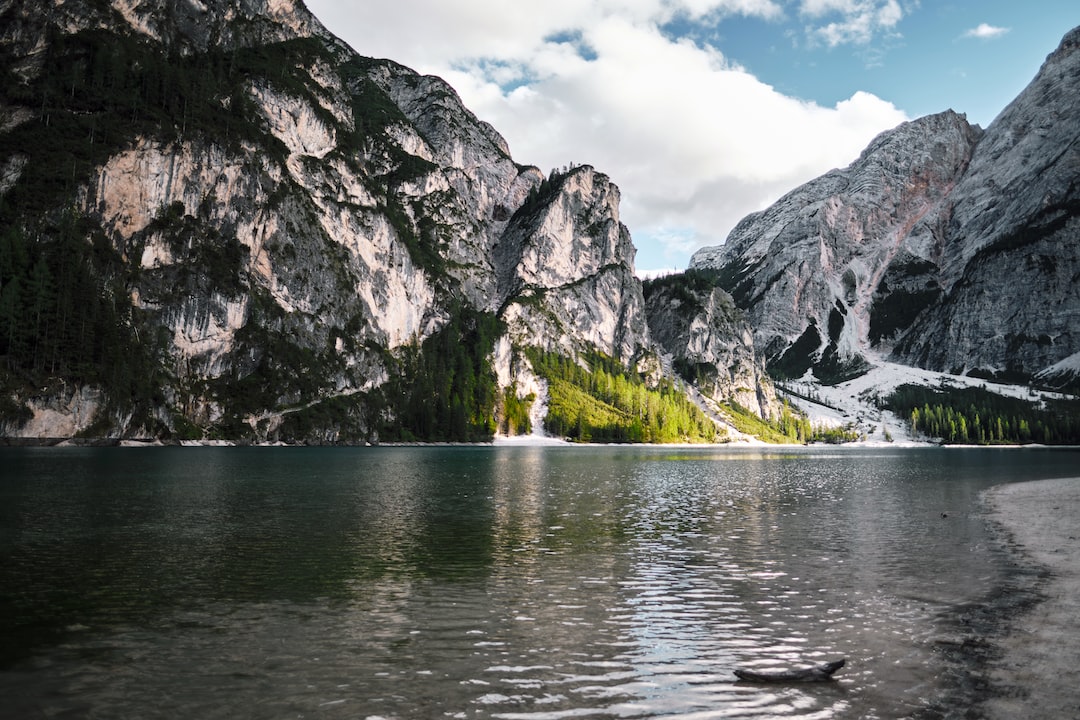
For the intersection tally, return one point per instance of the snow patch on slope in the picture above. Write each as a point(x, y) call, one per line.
point(855, 401)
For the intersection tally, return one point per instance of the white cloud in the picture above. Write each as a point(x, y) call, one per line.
point(750, 8)
point(694, 141)
point(986, 32)
point(857, 22)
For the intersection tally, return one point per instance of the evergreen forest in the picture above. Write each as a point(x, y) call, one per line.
point(790, 427)
point(603, 401)
point(446, 390)
point(65, 316)
point(977, 416)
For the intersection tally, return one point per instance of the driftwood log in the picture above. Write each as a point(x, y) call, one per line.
point(817, 673)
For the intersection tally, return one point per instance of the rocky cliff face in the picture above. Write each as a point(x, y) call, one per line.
point(709, 342)
point(270, 230)
point(188, 26)
point(950, 248)
point(821, 272)
point(1011, 260)
point(567, 271)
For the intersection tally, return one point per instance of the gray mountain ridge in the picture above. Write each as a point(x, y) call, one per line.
point(943, 246)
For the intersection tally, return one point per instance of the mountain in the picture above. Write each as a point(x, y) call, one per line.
point(220, 222)
point(942, 246)
point(1011, 259)
point(709, 341)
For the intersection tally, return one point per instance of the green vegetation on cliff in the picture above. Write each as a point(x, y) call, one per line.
point(790, 427)
point(687, 287)
point(65, 317)
point(68, 315)
point(604, 402)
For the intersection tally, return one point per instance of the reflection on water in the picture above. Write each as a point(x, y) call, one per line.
point(486, 582)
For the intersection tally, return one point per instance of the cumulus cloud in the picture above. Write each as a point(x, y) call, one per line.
point(694, 141)
point(986, 32)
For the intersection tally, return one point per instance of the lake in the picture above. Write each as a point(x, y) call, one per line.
point(497, 582)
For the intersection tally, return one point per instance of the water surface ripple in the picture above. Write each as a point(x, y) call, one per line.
point(537, 583)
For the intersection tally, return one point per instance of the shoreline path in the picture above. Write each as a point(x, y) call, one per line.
point(1042, 648)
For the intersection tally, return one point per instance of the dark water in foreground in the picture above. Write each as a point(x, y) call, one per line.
point(507, 582)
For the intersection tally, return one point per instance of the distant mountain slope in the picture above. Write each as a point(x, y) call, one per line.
point(951, 248)
point(812, 269)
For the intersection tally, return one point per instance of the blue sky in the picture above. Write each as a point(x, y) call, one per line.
point(931, 61)
point(703, 111)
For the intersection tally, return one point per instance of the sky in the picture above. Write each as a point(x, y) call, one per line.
point(703, 111)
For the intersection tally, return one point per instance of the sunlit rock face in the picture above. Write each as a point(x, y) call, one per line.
point(943, 245)
point(319, 212)
point(567, 274)
point(198, 25)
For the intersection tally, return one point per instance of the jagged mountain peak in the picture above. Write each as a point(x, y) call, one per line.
point(568, 268)
point(926, 133)
point(184, 28)
point(912, 149)
point(1011, 257)
point(808, 268)
point(1070, 43)
point(436, 110)
point(943, 244)
point(193, 25)
point(1022, 164)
